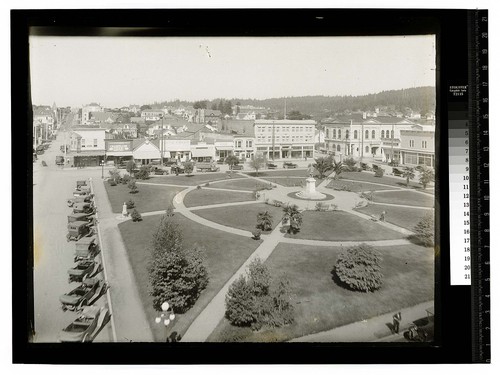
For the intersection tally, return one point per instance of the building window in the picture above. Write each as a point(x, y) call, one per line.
point(340, 134)
point(83, 142)
point(373, 134)
point(334, 133)
point(238, 144)
point(412, 143)
point(95, 142)
point(347, 134)
point(392, 134)
point(338, 147)
point(366, 134)
point(367, 149)
point(382, 134)
point(355, 134)
point(249, 143)
point(424, 144)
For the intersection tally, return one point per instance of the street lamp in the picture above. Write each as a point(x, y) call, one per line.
point(102, 165)
point(167, 315)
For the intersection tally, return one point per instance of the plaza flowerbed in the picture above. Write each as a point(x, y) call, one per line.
point(404, 197)
point(320, 304)
point(241, 217)
point(341, 226)
point(225, 253)
point(148, 198)
point(204, 197)
point(401, 216)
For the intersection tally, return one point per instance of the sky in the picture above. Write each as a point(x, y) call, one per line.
point(118, 71)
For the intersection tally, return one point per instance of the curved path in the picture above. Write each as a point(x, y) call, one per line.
point(209, 318)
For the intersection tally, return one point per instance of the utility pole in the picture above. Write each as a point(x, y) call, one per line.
point(392, 144)
point(362, 142)
point(273, 143)
point(161, 140)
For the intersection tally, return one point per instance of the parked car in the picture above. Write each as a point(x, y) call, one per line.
point(72, 201)
point(83, 295)
point(271, 166)
point(85, 207)
point(220, 161)
point(422, 330)
point(397, 172)
point(80, 183)
point(59, 160)
point(86, 249)
point(82, 193)
point(86, 326)
point(83, 270)
point(79, 229)
point(157, 170)
point(177, 169)
point(81, 216)
point(207, 167)
point(289, 165)
point(238, 167)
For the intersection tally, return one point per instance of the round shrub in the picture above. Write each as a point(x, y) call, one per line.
point(424, 231)
point(111, 182)
point(135, 215)
point(359, 268)
point(130, 204)
point(379, 172)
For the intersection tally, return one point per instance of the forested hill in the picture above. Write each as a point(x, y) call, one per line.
point(419, 99)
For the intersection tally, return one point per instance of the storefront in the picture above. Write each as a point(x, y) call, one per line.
point(203, 153)
point(87, 159)
point(146, 153)
point(118, 151)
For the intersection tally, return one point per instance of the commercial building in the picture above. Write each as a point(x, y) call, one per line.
point(285, 139)
point(87, 110)
point(87, 146)
point(418, 146)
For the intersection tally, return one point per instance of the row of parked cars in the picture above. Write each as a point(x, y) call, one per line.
point(85, 271)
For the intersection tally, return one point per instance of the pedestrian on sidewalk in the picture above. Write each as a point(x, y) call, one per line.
point(396, 319)
point(382, 216)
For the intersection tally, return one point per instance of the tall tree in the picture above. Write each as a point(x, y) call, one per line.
point(258, 162)
point(338, 168)
point(232, 160)
point(323, 165)
point(293, 216)
point(426, 176)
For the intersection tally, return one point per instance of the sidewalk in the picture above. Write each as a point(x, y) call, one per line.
point(374, 329)
point(130, 319)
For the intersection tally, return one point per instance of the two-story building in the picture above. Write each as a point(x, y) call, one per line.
point(202, 151)
point(359, 136)
point(87, 146)
point(152, 114)
point(418, 146)
point(285, 139)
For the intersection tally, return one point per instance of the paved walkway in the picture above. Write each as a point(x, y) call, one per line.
point(385, 224)
point(344, 243)
point(207, 321)
point(401, 205)
point(130, 319)
point(373, 329)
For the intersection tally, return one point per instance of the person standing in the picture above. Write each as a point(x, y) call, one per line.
point(396, 320)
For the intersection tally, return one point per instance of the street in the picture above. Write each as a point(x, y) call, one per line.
point(53, 255)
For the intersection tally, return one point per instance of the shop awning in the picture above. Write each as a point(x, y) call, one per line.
point(202, 152)
point(87, 153)
point(224, 148)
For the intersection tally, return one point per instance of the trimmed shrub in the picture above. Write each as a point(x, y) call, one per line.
point(350, 164)
point(143, 173)
point(264, 221)
point(111, 182)
point(256, 234)
point(135, 215)
point(169, 211)
point(379, 172)
point(126, 179)
point(132, 186)
point(359, 268)
point(320, 206)
point(240, 305)
point(198, 187)
point(130, 204)
point(424, 231)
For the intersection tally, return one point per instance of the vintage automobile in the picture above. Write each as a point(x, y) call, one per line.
point(207, 167)
point(90, 218)
point(72, 201)
point(271, 166)
point(422, 330)
point(289, 165)
point(59, 160)
point(177, 169)
point(82, 193)
point(86, 248)
point(84, 189)
point(86, 327)
point(79, 229)
point(83, 270)
point(157, 170)
point(84, 295)
point(80, 183)
point(238, 167)
point(85, 207)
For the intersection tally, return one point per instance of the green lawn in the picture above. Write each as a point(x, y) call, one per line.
point(225, 253)
point(370, 177)
point(280, 173)
point(405, 197)
point(148, 198)
point(321, 304)
point(341, 226)
point(245, 184)
point(197, 179)
point(400, 216)
point(355, 186)
point(204, 197)
point(290, 181)
point(241, 217)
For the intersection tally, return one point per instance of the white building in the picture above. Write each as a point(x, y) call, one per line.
point(152, 114)
point(418, 146)
point(285, 139)
point(87, 109)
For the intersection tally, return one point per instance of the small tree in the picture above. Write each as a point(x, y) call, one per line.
point(426, 176)
point(143, 173)
point(135, 215)
point(409, 174)
point(424, 231)
point(379, 172)
point(176, 274)
point(130, 204)
point(240, 305)
point(169, 211)
point(350, 164)
point(130, 166)
point(323, 165)
point(258, 162)
point(126, 179)
point(132, 186)
point(293, 216)
point(264, 221)
point(232, 160)
point(115, 175)
point(188, 167)
point(359, 268)
point(338, 168)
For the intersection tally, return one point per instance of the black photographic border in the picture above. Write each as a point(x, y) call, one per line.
point(453, 303)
